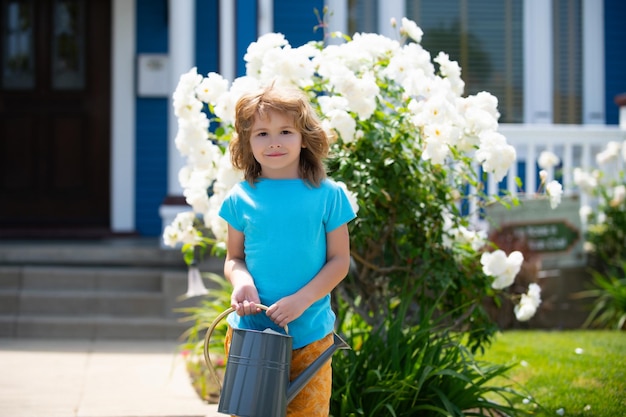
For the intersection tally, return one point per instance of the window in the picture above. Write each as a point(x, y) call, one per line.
point(18, 60)
point(567, 52)
point(485, 37)
point(68, 60)
point(362, 16)
point(538, 76)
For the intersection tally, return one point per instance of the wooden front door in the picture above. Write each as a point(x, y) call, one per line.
point(54, 116)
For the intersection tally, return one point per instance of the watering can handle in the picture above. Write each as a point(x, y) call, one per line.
point(209, 332)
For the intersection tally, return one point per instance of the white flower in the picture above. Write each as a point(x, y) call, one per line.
point(181, 230)
point(525, 310)
point(589, 247)
point(256, 51)
point(286, 66)
point(452, 71)
point(529, 303)
point(352, 197)
point(610, 153)
point(584, 213)
point(486, 102)
point(534, 293)
point(360, 92)
point(343, 123)
point(560, 411)
point(204, 155)
point(495, 154)
point(411, 67)
point(171, 236)
point(197, 198)
point(619, 195)
point(504, 269)
point(554, 189)
point(329, 104)
point(461, 235)
point(436, 109)
point(436, 143)
point(184, 175)
point(548, 160)
point(579, 351)
point(211, 88)
point(411, 30)
point(192, 132)
point(184, 100)
point(585, 181)
point(543, 175)
point(217, 225)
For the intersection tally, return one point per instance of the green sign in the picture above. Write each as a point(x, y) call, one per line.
point(545, 236)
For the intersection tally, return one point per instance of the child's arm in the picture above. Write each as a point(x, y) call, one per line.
point(289, 308)
point(245, 295)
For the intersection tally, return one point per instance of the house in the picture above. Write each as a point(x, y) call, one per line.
point(86, 126)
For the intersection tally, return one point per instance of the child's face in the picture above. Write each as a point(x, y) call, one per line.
point(276, 145)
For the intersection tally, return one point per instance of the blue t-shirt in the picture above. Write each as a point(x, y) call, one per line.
point(284, 222)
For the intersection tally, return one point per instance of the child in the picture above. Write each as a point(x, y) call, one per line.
point(288, 244)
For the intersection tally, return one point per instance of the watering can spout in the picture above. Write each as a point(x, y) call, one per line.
point(301, 380)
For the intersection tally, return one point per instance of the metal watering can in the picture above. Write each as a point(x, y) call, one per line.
point(256, 382)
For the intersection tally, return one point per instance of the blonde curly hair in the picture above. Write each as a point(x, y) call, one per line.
point(293, 103)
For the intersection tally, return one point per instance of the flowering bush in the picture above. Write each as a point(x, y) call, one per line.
point(604, 219)
point(407, 148)
point(605, 216)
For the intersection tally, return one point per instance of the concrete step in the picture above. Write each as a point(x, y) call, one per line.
point(91, 303)
point(113, 290)
point(56, 278)
point(100, 327)
point(121, 251)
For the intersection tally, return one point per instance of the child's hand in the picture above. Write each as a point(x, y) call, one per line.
point(286, 310)
point(244, 300)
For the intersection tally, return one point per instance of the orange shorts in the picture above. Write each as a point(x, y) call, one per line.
point(314, 399)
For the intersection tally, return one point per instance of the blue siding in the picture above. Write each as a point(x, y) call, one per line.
point(151, 125)
point(297, 20)
point(207, 36)
point(615, 58)
point(247, 30)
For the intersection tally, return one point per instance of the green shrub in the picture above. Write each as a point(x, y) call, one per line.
point(404, 369)
point(605, 219)
point(609, 294)
point(201, 316)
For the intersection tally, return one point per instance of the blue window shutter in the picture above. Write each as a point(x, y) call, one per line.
point(297, 20)
point(615, 59)
point(246, 18)
point(207, 36)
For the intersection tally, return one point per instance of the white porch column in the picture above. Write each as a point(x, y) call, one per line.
point(593, 61)
point(182, 42)
point(228, 48)
point(266, 17)
point(387, 10)
point(337, 19)
point(181, 46)
point(538, 61)
point(123, 32)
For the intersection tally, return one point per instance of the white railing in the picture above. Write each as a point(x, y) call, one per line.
point(575, 145)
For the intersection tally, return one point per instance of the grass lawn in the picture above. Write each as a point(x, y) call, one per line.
point(570, 373)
